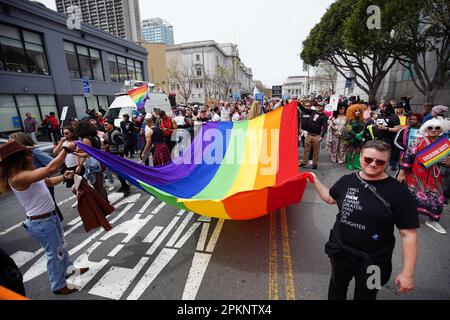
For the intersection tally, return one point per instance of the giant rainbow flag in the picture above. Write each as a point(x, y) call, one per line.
point(232, 170)
point(139, 95)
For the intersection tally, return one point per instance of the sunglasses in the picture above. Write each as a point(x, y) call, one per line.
point(434, 128)
point(378, 162)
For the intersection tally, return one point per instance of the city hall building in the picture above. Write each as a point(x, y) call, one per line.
point(44, 56)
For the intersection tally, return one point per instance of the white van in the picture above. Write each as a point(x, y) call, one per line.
point(123, 104)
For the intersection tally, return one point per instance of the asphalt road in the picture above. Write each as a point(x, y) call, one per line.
point(157, 252)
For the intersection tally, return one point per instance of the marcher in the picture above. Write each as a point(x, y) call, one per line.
point(31, 126)
point(40, 158)
point(388, 124)
point(335, 142)
point(18, 174)
point(317, 129)
point(168, 126)
point(155, 144)
point(114, 144)
point(370, 204)
point(425, 184)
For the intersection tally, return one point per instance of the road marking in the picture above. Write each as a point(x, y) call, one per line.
point(196, 274)
point(187, 235)
point(114, 251)
point(215, 236)
point(273, 272)
point(116, 281)
point(153, 234)
point(203, 235)
point(179, 230)
point(145, 206)
point(152, 272)
point(180, 213)
point(67, 200)
point(10, 229)
point(156, 210)
point(162, 236)
point(288, 274)
point(74, 221)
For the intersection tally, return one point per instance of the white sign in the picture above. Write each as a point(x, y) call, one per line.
point(64, 113)
point(333, 105)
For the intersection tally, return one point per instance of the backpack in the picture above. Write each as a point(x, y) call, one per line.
point(115, 142)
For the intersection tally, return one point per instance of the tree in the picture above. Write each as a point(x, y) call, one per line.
point(424, 33)
point(343, 39)
point(182, 76)
point(328, 73)
point(210, 86)
point(224, 80)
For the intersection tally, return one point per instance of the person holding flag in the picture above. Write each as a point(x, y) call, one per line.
point(420, 170)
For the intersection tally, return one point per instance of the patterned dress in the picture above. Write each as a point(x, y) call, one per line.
point(425, 184)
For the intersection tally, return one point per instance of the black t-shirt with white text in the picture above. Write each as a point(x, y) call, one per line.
point(364, 222)
point(390, 121)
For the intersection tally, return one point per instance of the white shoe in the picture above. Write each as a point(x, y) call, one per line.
point(436, 227)
point(111, 188)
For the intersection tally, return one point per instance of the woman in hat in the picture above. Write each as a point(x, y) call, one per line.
point(425, 184)
point(18, 174)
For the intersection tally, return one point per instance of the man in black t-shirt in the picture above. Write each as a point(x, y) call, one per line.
point(362, 240)
point(387, 126)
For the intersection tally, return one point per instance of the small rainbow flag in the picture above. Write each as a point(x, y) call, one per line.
point(139, 95)
point(434, 152)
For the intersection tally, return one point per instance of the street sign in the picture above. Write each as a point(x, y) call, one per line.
point(237, 96)
point(348, 82)
point(87, 90)
point(277, 91)
point(16, 122)
point(64, 113)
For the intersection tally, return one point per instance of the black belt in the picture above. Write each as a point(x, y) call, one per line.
point(42, 216)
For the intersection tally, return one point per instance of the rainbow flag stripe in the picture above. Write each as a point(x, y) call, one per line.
point(231, 170)
point(434, 153)
point(139, 95)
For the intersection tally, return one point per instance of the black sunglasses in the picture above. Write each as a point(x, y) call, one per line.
point(378, 162)
point(434, 128)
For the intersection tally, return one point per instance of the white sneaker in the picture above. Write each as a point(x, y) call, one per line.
point(436, 227)
point(111, 188)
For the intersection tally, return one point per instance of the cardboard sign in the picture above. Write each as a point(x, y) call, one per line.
point(64, 113)
point(333, 105)
point(433, 153)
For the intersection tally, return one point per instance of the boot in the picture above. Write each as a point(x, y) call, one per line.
point(349, 161)
point(356, 162)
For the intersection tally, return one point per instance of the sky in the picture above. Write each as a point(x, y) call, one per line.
point(269, 33)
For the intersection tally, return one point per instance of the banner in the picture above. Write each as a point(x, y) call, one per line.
point(433, 153)
point(333, 105)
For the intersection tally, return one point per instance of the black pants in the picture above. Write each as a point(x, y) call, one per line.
point(10, 276)
point(344, 268)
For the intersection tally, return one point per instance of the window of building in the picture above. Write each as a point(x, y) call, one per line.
point(8, 114)
point(123, 74)
point(131, 70)
point(83, 62)
point(103, 102)
point(47, 103)
point(139, 73)
point(197, 57)
point(198, 72)
point(22, 51)
point(28, 104)
point(80, 106)
point(113, 68)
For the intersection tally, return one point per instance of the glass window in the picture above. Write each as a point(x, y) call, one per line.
point(122, 69)
point(80, 106)
point(139, 74)
point(47, 104)
point(131, 71)
point(14, 54)
point(72, 62)
point(92, 102)
point(113, 68)
point(8, 113)
point(198, 71)
point(96, 63)
point(32, 37)
point(103, 102)
point(85, 66)
point(28, 103)
point(37, 62)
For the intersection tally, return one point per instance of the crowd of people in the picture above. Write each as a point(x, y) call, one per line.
point(362, 136)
